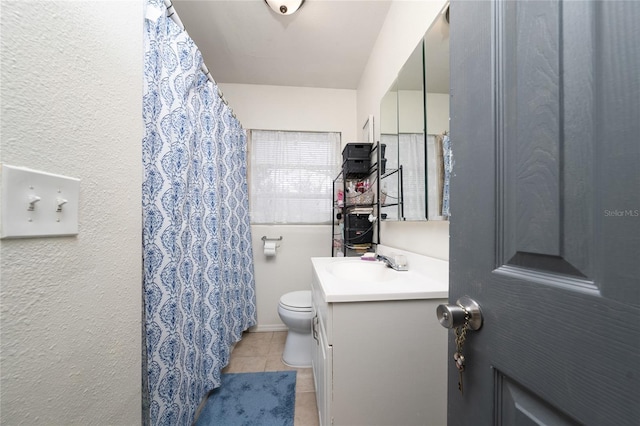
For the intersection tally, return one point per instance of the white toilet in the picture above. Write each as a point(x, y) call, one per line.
point(296, 313)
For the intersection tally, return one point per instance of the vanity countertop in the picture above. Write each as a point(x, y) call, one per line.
point(427, 278)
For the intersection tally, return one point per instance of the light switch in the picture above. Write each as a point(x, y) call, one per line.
point(38, 204)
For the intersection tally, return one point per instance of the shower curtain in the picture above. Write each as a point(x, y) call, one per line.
point(199, 289)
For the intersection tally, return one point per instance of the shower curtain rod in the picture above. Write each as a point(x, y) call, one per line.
point(173, 14)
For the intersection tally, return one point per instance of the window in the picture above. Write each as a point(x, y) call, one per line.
point(291, 179)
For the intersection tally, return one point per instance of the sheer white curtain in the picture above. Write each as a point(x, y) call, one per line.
point(291, 178)
point(435, 176)
point(413, 175)
point(389, 187)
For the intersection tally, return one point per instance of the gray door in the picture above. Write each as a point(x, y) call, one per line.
point(545, 226)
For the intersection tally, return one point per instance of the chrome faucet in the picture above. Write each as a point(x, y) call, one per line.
point(398, 263)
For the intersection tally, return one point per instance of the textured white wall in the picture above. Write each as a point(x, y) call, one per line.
point(406, 23)
point(70, 307)
point(300, 109)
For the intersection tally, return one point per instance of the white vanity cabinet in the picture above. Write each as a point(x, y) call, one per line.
point(322, 373)
point(378, 362)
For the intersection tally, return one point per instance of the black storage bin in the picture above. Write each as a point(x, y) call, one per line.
point(358, 229)
point(359, 236)
point(356, 151)
point(356, 168)
point(383, 166)
point(357, 221)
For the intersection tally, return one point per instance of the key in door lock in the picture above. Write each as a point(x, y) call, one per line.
point(465, 310)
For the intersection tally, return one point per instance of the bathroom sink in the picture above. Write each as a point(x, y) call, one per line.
point(361, 271)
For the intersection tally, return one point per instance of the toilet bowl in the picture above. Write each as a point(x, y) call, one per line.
point(296, 313)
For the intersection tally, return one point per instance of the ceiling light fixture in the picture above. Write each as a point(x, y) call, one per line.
point(284, 7)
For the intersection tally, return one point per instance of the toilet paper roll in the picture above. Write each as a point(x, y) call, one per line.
point(269, 248)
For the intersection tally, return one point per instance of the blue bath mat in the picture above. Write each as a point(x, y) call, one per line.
point(256, 399)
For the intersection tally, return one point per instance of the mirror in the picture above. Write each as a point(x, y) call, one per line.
point(411, 146)
point(436, 59)
point(406, 110)
point(389, 186)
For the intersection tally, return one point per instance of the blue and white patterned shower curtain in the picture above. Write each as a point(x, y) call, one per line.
point(199, 288)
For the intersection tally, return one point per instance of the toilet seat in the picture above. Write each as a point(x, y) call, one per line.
point(297, 301)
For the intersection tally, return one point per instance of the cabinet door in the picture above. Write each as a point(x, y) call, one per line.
point(317, 358)
point(323, 374)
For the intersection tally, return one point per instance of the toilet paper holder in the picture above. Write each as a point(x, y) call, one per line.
point(265, 239)
point(270, 246)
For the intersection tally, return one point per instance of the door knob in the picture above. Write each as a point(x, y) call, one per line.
point(466, 310)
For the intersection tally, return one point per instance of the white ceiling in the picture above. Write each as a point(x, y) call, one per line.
point(325, 44)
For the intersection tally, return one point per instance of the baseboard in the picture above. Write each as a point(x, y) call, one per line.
point(267, 328)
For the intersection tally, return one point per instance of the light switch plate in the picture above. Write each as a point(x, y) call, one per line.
point(38, 204)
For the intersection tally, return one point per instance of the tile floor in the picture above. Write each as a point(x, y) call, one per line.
point(263, 352)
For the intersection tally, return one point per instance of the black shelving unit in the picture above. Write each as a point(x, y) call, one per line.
point(353, 233)
point(350, 235)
